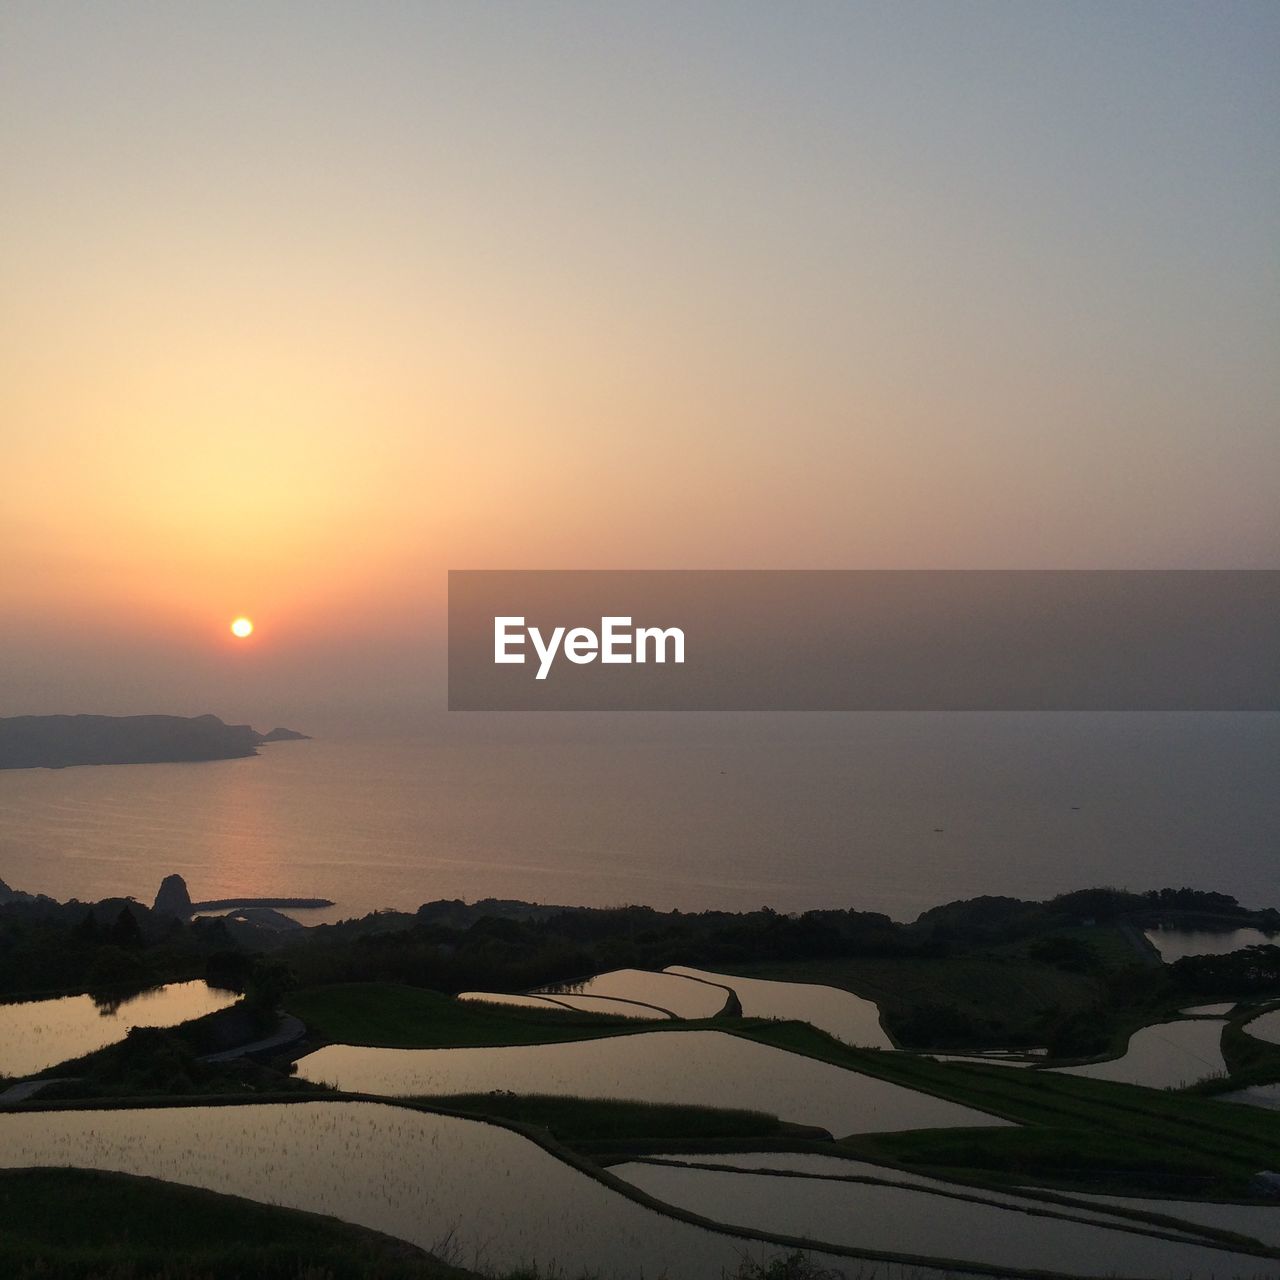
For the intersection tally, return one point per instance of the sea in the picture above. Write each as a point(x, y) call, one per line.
point(880, 812)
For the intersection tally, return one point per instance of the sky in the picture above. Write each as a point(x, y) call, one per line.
point(304, 304)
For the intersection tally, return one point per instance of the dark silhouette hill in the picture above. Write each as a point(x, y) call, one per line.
point(55, 742)
point(279, 734)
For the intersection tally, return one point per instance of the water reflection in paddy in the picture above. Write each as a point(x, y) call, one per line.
point(816, 1165)
point(608, 1004)
point(1257, 1221)
point(1168, 1055)
point(1258, 1095)
point(839, 1013)
point(1266, 1026)
point(41, 1033)
point(1173, 944)
point(562, 1001)
point(419, 1177)
point(682, 997)
point(702, 1068)
point(501, 997)
point(895, 1219)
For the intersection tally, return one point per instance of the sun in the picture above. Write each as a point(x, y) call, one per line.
point(242, 628)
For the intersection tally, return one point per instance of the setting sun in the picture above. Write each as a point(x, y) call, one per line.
point(242, 628)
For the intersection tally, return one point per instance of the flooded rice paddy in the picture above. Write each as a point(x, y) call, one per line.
point(1257, 1221)
point(1173, 944)
point(1168, 1055)
point(814, 1165)
point(481, 1195)
point(501, 997)
point(1258, 1095)
point(871, 1216)
point(41, 1033)
point(562, 1000)
point(680, 997)
point(608, 1004)
point(839, 1013)
point(1266, 1026)
point(698, 1068)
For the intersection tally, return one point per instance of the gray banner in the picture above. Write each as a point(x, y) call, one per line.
point(864, 640)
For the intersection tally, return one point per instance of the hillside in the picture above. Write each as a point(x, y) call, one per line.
point(55, 742)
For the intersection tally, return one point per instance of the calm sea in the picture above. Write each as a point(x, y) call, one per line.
point(892, 813)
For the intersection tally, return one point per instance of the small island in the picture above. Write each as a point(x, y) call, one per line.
point(58, 742)
point(279, 734)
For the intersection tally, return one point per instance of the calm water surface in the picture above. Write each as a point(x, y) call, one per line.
point(1173, 944)
point(587, 1004)
point(820, 1166)
point(500, 1201)
point(612, 1005)
point(701, 1068)
point(1258, 1095)
point(869, 1216)
point(1255, 1221)
point(39, 1033)
point(690, 812)
point(839, 1013)
point(1168, 1055)
point(1265, 1026)
point(502, 997)
point(679, 996)
point(1258, 1221)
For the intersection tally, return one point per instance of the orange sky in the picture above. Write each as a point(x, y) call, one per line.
point(298, 314)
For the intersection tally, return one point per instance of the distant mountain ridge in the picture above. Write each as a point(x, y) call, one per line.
point(57, 742)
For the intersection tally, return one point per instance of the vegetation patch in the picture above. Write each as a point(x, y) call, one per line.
point(166, 1062)
point(1080, 992)
point(391, 1016)
point(1070, 1158)
point(77, 1224)
point(575, 1121)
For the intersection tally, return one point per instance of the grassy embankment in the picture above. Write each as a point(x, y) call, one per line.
point(590, 1121)
point(391, 1016)
point(129, 1228)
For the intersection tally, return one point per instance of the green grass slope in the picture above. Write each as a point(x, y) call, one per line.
point(388, 1015)
point(76, 1224)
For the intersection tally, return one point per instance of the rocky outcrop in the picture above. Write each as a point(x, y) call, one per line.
point(173, 898)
